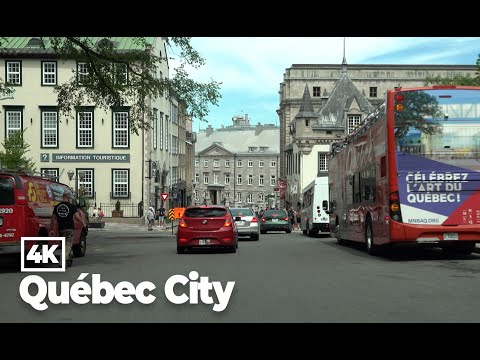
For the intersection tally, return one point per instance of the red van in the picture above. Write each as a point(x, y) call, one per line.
point(26, 208)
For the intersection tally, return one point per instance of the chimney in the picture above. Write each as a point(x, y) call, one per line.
point(258, 129)
point(209, 130)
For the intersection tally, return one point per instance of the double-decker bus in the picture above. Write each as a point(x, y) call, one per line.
point(315, 200)
point(410, 173)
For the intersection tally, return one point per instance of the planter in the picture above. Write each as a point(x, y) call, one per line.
point(117, 213)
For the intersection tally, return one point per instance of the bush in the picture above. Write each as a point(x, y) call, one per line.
point(117, 205)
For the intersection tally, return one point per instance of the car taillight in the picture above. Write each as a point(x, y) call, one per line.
point(263, 219)
point(228, 221)
point(182, 223)
point(286, 219)
point(254, 219)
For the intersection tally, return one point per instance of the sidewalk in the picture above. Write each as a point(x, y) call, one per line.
point(135, 227)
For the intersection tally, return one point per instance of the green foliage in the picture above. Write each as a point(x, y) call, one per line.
point(105, 85)
point(13, 155)
point(117, 205)
point(457, 79)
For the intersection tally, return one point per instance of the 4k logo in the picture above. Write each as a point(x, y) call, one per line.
point(38, 257)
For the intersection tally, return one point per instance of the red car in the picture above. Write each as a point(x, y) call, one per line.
point(207, 226)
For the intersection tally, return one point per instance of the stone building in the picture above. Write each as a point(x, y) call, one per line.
point(237, 165)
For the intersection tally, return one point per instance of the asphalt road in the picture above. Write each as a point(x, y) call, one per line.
point(281, 278)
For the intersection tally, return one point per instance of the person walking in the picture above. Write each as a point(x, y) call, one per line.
point(161, 216)
point(151, 218)
point(63, 218)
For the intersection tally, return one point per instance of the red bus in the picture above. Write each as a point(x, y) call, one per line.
point(410, 173)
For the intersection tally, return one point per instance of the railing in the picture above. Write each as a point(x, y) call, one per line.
point(129, 210)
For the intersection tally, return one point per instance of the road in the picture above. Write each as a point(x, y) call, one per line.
point(281, 278)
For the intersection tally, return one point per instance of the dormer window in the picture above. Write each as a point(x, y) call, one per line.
point(35, 42)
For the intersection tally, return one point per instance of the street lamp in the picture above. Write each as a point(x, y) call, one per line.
point(81, 176)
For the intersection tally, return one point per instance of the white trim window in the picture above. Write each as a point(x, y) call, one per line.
point(250, 198)
point(205, 162)
point(85, 129)
point(154, 128)
point(273, 163)
point(197, 178)
point(322, 161)
point(215, 177)
point(261, 163)
point(197, 162)
point(216, 163)
point(196, 195)
point(239, 179)
point(238, 197)
point(14, 72)
point(82, 72)
point(227, 179)
point(120, 129)
point(49, 73)
point(14, 121)
point(227, 163)
point(120, 74)
point(85, 184)
point(239, 163)
point(49, 129)
point(260, 180)
point(261, 197)
point(120, 183)
point(161, 131)
point(353, 121)
point(250, 179)
point(273, 180)
point(50, 174)
point(250, 163)
point(205, 178)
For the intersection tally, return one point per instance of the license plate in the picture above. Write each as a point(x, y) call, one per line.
point(241, 222)
point(450, 236)
point(1, 221)
point(274, 220)
point(204, 242)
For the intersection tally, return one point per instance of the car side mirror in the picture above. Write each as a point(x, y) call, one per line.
point(238, 218)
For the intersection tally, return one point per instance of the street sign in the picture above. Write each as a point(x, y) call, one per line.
point(164, 196)
point(171, 214)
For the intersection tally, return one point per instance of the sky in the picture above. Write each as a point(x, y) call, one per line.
point(251, 68)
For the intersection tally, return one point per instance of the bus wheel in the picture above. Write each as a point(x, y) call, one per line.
point(372, 249)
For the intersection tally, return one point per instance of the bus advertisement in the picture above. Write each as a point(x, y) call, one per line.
point(410, 173)
point(315, 220)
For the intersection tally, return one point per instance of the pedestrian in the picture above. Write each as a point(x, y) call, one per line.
point(150, 217)
point(63, 218)
point(291, 216)
point(298, 214)
point(161, 216)
point(100, 214)
point(95, 214)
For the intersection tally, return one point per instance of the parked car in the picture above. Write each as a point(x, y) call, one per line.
point(207, 227)
point(275, 220)
point(247, 224)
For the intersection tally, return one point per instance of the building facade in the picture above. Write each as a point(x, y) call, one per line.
point(350, 94)
point(108, 161)
point(237, 166)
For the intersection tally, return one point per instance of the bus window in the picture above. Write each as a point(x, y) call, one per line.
point(6, 191)
point(325, 205)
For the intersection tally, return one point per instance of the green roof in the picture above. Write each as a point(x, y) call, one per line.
point(25, 45)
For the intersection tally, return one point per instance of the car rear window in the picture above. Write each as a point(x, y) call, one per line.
point(275, 214)
point(6, 191)
point(241, 212)
point(210, 212)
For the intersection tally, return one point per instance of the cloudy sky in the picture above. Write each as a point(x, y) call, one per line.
point(251, 69)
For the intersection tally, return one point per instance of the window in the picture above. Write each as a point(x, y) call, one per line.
point(322, 161)
point(250, 180)
point(197, 162)
point(239, 163)
point(306, 122)
point(161, 131)
point(121, 183)
point(120, 129)
point(216, 163)
point(227, 179)
point(368, 184)
point(261, 197)
point(120, 73)
point(13, 72)
point(82, 72)
point(205, 178)
point(167, 132)
point(250, 198)
point(85, 128)
point(205, 163)
point(239, 179)
point(85, 182)
point(373, 91)
point(174, 144)
point(196, 195)
point(261, 163)
point(353, 121)
point(273, 163)
point(251, 148)
point(250, 163)
point(49, 173)
point(206, 195)
point(49, 73)
point(263, 148)
point(154, 128)
point(197, 178)
point(227, 195)
point(238, 197)
point(227, 163)
point(260, 180)
point(13, 120)
point(215, 177)
point(273, 180)
point(49, 128)
point(174, 114)
point(316, 91)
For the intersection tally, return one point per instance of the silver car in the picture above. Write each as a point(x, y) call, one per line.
point(247, 223)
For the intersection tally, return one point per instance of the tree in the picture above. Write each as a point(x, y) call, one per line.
point(465, 80)
point(107, 68)
point(14, 155)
